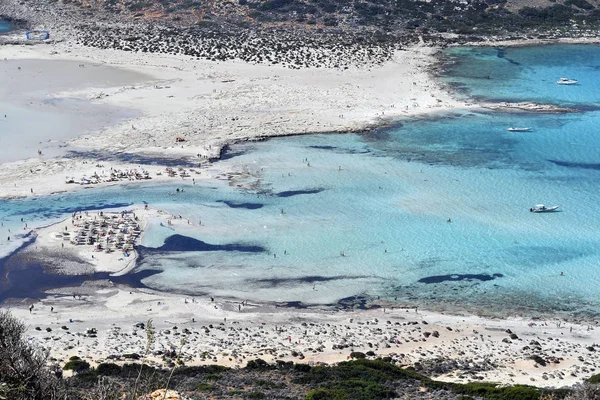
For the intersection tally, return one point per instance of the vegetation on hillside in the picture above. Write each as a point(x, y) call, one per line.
point(396, 17)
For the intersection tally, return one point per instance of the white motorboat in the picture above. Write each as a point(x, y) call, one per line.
point(539, 208)
point(518, 129)
point(566, 81)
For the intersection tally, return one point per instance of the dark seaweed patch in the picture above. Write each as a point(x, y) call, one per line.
point(576, 165)
point(247, 206)
point(459, 277)
point(185, 243)
point(24, 277)
point(273, 282)
point(52, 212)
point(290, 193)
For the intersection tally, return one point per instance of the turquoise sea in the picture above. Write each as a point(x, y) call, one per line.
point(339, 219)
point(4, 26)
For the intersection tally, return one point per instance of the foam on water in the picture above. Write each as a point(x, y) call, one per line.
point(277, 229)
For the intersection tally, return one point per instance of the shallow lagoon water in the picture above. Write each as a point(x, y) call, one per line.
point(4, 26)
point(384, 199)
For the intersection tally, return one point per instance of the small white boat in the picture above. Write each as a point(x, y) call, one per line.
point(517, 129)
point(539, 208)
point(566, 81)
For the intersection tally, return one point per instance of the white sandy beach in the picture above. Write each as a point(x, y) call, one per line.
point(210, 104)
point(227, 333)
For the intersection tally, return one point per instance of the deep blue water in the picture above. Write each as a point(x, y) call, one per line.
point(431, 212)
point(527, 73)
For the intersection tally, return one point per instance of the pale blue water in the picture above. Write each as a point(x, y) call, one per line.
point(387, 210)
point(4, 26)
point(528, 73)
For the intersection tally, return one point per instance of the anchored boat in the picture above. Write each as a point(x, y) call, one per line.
point(566, 81)
point(540, 208)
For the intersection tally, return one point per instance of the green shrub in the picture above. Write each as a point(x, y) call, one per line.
point(583, 4)
point(357, 354)
point(255, 395)
point(325, 394)
point(352, 389)
point(206, 387)
point(200, 369)
point(265, 384)
point(212, 377)
point(595, 379)
point(77, 366)
point(257, 364)
point(491, 391)
point(302, 367)
point(108, 369)
point(23, 366)
point(87, 378)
